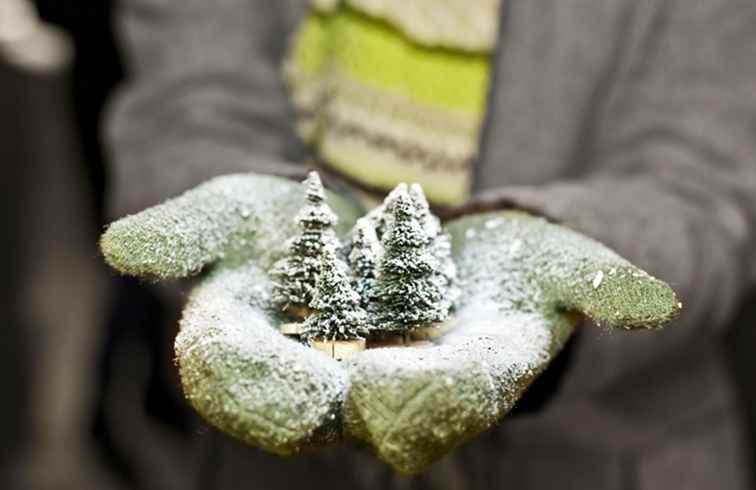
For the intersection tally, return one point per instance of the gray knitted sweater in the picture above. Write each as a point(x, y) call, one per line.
point(633, 121)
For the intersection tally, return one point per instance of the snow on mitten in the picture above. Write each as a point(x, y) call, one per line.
point(523, 284)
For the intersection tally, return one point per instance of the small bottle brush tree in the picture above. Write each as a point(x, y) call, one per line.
point(295, 274)
point(430, 222)
point(379, 217)
point(446, 272)
point(407, 289)
point(364, 256)
point(337, 313)
point(402, 274)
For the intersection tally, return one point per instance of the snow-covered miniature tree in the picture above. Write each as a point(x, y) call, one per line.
point(446, 271)
point(431, 222)
point(364, 256)
point(295, 274)
point(378, 216)
point(337, 313)
point(408, 291)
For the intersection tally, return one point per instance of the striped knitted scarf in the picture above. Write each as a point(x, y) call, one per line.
point(395, 90)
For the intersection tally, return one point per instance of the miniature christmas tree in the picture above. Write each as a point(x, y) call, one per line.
point(378, 216)
point(366, 251)
point(408, 289)
point(431, 223)
point(295, 274)
point(446, 272)
point(337, 312)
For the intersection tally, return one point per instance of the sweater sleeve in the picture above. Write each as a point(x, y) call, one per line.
point(671, 183)
point(204, 96)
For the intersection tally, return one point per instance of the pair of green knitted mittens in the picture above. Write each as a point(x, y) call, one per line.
point(524, 281)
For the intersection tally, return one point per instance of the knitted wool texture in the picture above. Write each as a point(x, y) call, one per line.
point(390, 91)
point(523, 281)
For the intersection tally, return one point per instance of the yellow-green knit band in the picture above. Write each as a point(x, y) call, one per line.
point(381, 108)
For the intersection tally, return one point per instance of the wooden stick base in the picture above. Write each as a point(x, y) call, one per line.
point(291, 328)
point(420, 343)
point(298, 311)
point(397, 340)
point(430, 332)
point(339, 349)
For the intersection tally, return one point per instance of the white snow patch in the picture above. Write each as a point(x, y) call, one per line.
point(225, 325)
point(515, 246)
point(598, 279)
point(493, 223)
point(522, 339)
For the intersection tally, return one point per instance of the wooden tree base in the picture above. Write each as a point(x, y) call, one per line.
point(420, 343)
point(397, 340)
point(291, 328)
point(298, 311)
point(339, 349)
point(430, 332)
point(418, 337)
point(345, 349)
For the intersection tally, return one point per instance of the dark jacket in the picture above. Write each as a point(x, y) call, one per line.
point(631, 121)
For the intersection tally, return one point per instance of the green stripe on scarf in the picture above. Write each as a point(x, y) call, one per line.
point(382, 108)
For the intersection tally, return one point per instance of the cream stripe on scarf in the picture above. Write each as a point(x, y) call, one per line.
point(389, 91)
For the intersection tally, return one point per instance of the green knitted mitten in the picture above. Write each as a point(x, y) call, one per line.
point(524, 283)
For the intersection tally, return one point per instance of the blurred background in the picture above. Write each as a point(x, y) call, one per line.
point(86, 355)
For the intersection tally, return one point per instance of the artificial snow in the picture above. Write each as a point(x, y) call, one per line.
point(516, 276)
point(598, 279)
point(245, 377)
point(231, 218)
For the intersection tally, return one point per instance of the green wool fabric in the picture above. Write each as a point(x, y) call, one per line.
point(524, 282)
point(381, 105)
point(227, 219)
